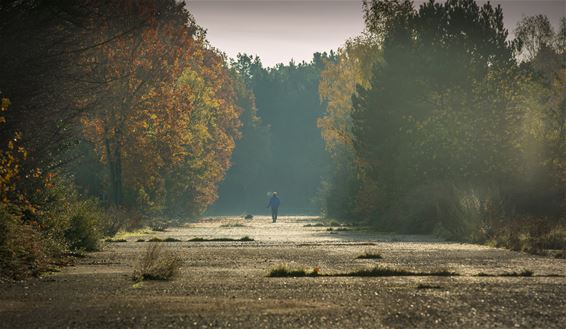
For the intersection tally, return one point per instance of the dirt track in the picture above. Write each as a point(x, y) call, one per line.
point(224, 284)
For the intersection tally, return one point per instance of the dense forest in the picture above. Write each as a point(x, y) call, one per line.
point(281, 149)
point(434, 120)
point(439, 123)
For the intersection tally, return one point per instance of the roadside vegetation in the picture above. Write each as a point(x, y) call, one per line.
point(438, 123)
point(88, 102)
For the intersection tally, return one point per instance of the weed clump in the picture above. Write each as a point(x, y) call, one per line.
point(387, 271)
point(199, 239)
point(115, 240)
point(314, 225)
point(368, 254)
point(233, 225)
point(283, 270)
point(155, 240)
point(171, 240)
point(522, 273)
point(157, 264)
point(428, 286)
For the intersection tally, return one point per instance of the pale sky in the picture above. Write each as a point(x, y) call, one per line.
point(280, 30)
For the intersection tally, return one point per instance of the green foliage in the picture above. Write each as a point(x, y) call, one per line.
point(387, 271)
point(85, 225)
point(244, 239)
point(23, 250)
point(449, 134)
point(281, 148)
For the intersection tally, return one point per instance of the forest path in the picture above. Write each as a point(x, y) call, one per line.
point(224, 284)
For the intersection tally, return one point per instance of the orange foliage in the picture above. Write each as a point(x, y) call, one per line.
point(165, 119)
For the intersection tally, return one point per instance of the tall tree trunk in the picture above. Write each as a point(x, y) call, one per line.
point(115, 167)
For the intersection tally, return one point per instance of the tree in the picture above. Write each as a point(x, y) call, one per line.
point(437, 105)
point(353, 65)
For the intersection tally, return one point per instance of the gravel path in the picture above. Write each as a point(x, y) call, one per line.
point(224, 284)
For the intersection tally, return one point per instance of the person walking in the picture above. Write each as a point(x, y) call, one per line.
point(274, 203)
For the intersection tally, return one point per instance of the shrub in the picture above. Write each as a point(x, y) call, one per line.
point(157, 263)
point(85, 225)
point(118, 219)
point(23, 250)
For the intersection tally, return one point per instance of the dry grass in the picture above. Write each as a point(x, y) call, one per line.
point(233, 225)
point(284, 270)
point(115, 240)
point(157, 263)
point(524, 273)
point(370, 254)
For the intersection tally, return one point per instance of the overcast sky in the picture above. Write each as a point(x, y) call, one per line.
point(281, 30)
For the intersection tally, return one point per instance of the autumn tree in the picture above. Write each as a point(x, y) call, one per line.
point(164, 119)
point(345, 189)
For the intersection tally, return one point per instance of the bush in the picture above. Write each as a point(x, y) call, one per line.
point(23, 250)
point(85, 220)
point(157, 264)
point(118, 219)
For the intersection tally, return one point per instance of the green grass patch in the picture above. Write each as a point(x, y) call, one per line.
point(198, 239)
point(171, 240)
point(115, 240)
point(524, 273)
point(155, 240)
point(389, 271)
point(140, 240)
point(132, 234)
point(283, 270)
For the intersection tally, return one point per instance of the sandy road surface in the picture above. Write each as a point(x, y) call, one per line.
point(224, 284)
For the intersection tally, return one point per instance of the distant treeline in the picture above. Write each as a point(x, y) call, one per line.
point(438, 122)
point(281, 148)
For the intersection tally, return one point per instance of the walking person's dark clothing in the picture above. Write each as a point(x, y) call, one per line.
point(274, 203)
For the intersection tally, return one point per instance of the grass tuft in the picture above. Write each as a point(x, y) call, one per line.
point(368, 254)
point(140, 240)
point(157, 264)
point(171, 240)
point(314, 225)
point(428, 286)
point(198, 239)
point(233, 225)
point(155, 240)
point(388, 271)
point(526, 273)
point(283, 270)
point(115, 240)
